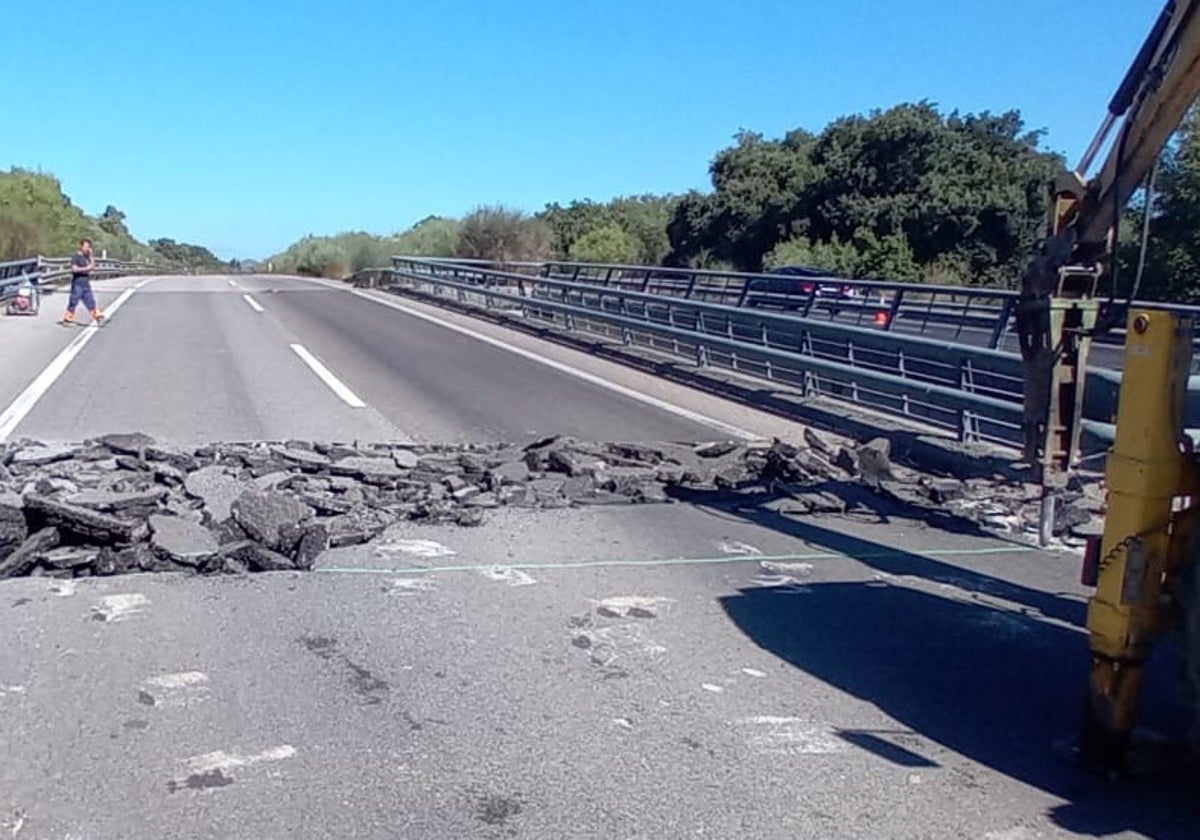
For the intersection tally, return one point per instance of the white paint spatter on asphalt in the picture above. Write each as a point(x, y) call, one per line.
point(738, 549)
point(255, 305)
point(11, 689)
point(221, 760)
point(715, 689)
point(413, 584)
point(429, 549)
point(775, 735)
point(782, 584)
point(777, 568)
point(186, 688)
point(326, 375)
point(120, 607)
point(64, 588)
point(508, 575)
point(631, 606)
point(753, 672)
point(1018, 833)
point(182, 680)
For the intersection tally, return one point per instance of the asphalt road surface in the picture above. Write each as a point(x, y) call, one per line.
point(700, 669)
point(198, 359)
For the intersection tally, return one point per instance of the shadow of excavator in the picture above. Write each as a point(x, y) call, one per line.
point(1001, 685)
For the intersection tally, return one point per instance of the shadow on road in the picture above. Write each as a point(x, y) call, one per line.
point(1001, 687)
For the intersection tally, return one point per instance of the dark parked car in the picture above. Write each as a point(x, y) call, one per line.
point(791, 286)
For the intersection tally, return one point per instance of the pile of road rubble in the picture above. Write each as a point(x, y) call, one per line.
point(125, 503)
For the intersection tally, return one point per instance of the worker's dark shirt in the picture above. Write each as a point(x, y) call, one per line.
point(79, 264)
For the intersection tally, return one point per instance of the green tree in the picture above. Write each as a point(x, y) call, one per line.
point(608, 244)
point(971, 187)
point(500, 234)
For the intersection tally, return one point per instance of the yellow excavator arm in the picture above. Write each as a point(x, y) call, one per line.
point(1152, 477)
point(1057, 312)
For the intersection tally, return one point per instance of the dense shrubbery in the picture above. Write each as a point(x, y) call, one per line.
point(37, 218)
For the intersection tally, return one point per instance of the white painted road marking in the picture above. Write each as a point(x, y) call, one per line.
point(27, 399)
point(255, 305)
point(221, 760)
point(562, 367)
point(325, 375)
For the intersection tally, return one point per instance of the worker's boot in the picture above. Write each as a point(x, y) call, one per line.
point(97, 316)
point(68, 319)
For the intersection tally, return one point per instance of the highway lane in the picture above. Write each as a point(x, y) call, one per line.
point(28, 343)
point(783, 677)
point(465, 682)
point(196, 359)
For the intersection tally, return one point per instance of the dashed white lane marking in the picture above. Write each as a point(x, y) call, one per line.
point(12, 416)
point(11, 689)
point(504, 574)
point(255, 305)
point(221, 760)
point(789, 736)
point(232, 283)
point(562, 367)
point(416, 548)
point(119, 607)
point(325, 375)
point(715, 689)
point(753, 672)
point(739, 548)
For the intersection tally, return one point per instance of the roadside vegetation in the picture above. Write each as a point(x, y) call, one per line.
point(37, 218)
point(906, 194)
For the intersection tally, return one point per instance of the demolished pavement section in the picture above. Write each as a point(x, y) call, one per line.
point(125, 503)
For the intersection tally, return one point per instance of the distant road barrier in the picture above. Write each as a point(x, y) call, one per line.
point(57, 270)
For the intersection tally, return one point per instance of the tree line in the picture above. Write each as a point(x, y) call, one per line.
point(38, 218)
point(905, 194)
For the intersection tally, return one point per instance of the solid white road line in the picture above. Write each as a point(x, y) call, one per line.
point(655, 402)
point(27, 399)
point(255, 305)
point(323, 373)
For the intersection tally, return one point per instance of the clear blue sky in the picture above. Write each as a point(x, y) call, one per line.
point(246, 125)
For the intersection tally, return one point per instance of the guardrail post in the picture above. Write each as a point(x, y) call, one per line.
point(894, 309)
point(1000, 329)
point(691, 287)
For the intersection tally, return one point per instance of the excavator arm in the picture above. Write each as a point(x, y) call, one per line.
point(1152, 477)
point(1057, 312)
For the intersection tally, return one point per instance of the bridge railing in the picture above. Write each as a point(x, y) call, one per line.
point(972, 392)
point(977, 316)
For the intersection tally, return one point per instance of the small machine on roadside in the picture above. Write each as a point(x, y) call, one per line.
point(25, 299)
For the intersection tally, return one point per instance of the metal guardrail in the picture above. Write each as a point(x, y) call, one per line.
point(972, 392)
point(976, 316)
point(55, 270)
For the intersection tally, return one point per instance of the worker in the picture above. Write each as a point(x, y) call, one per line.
point(81, 284)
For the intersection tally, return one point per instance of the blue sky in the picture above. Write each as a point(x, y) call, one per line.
point(246, 125)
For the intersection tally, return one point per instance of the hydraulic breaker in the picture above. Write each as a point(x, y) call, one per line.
point(1151, 478)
